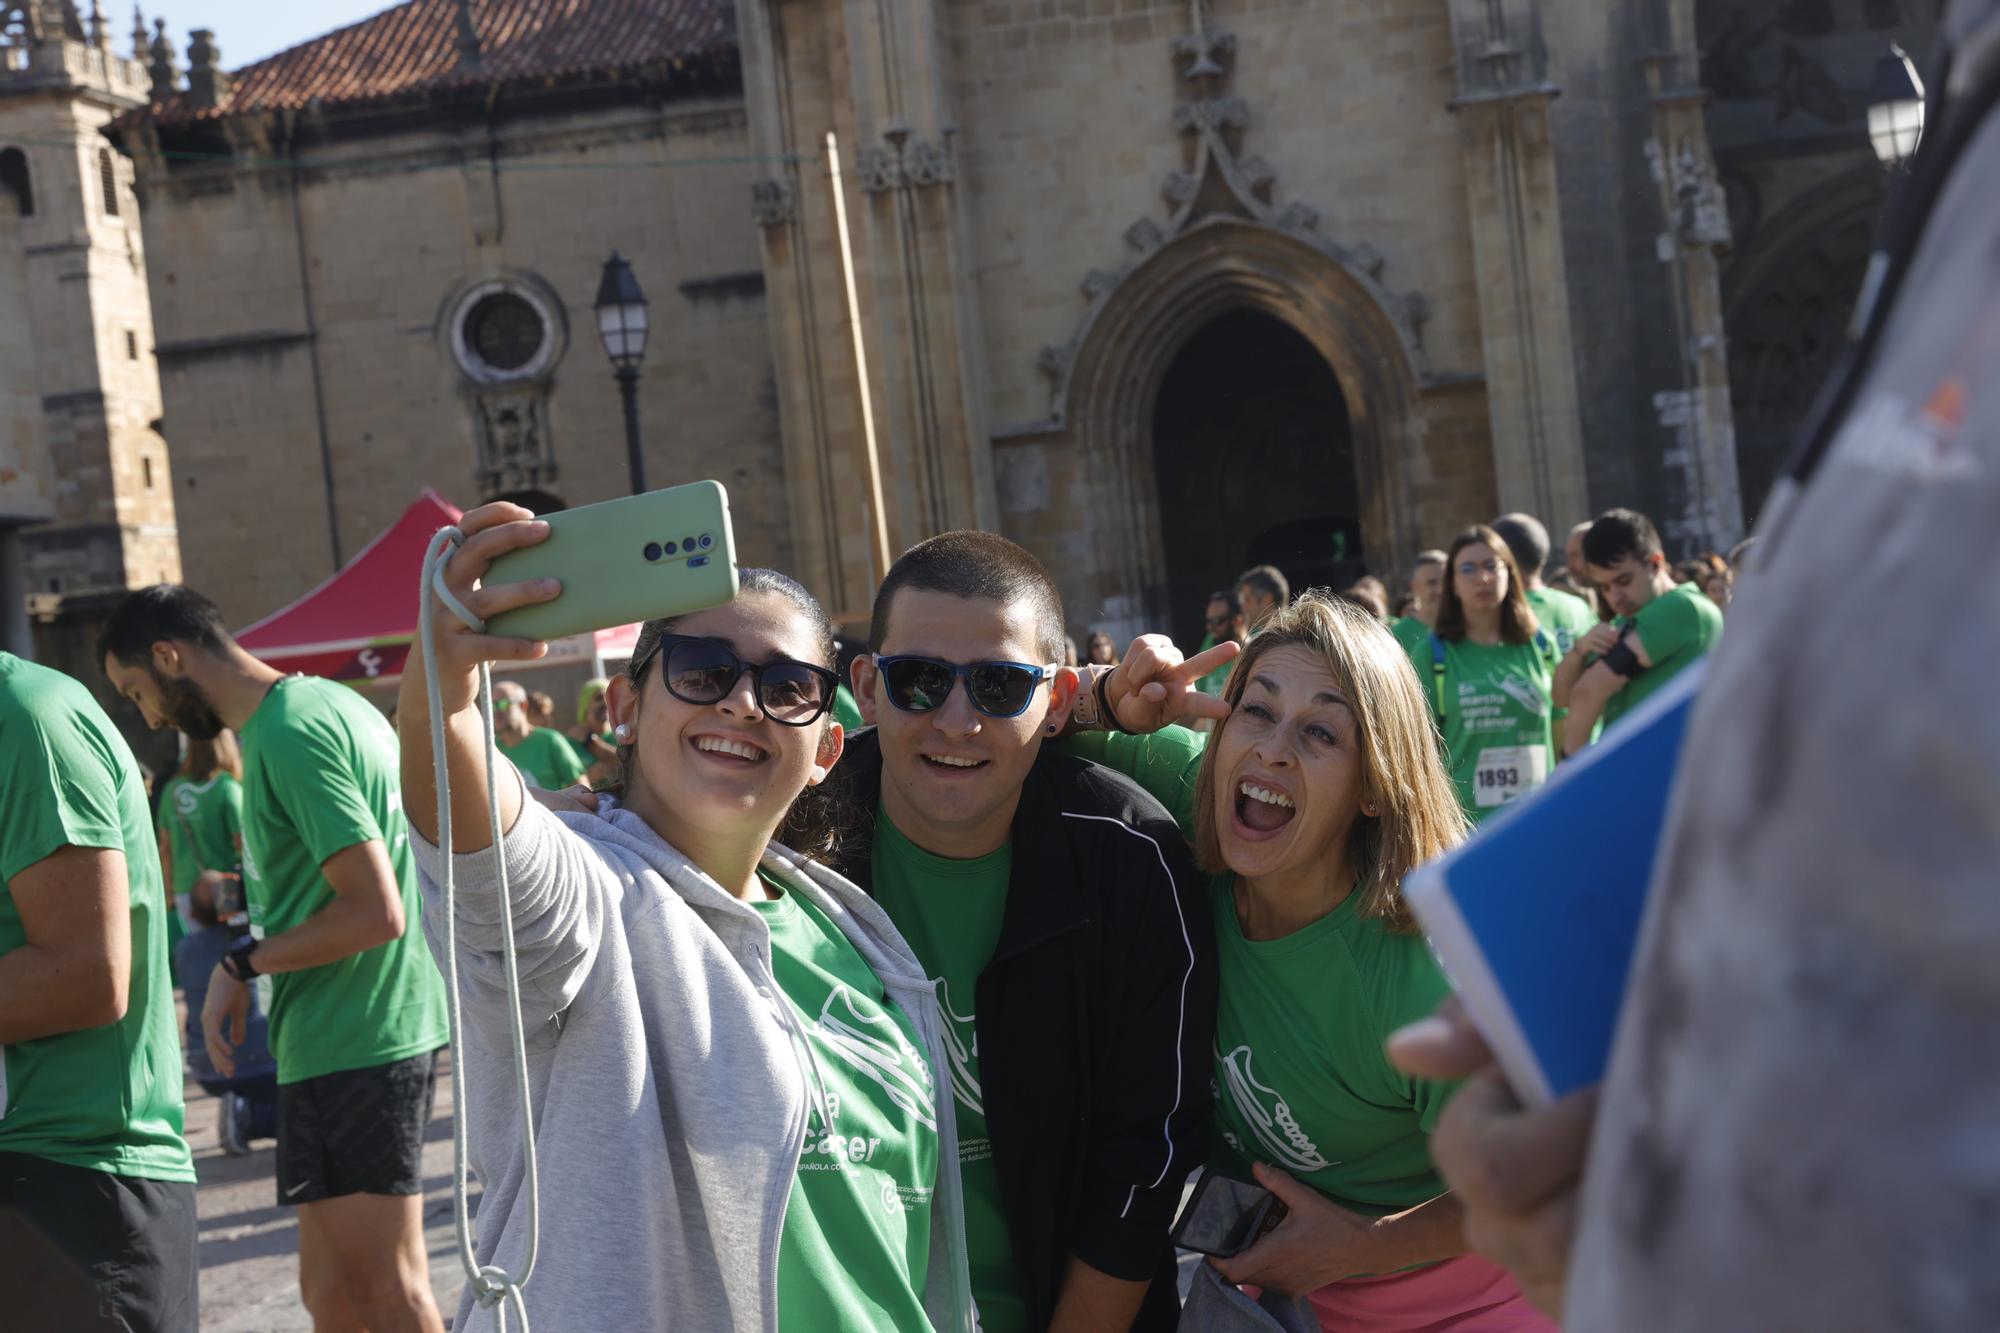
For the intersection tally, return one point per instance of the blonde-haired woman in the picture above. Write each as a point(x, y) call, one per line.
point(1318, 791)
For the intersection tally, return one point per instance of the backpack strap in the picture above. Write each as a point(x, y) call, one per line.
point(1437, 678)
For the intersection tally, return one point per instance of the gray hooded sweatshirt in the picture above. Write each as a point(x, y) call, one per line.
point(670, 1097)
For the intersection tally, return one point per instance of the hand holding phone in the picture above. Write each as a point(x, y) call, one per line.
point(491, 531)
point(1226, 1216)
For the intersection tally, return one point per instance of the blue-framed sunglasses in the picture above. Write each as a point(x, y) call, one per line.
point(996, 689)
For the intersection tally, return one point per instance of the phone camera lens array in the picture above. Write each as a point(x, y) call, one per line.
point(655, 551)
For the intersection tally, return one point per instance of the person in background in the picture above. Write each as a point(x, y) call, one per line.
point(200, 819)
point(1563, 615)
point(1224, 622)
point(591, 737)
point(94, 1173)
point(1368, 595)
point(545, 756)
point(1260, 591)
point(357, 1009)
point(1719, 582)
point(248, 1098)
point(1426, 589)
point(1578, 570)
point(542, 709)
point(1663, 627)
point(1564, 581)
point(1487, 670)
point(1102, 649)
point(1070, 658)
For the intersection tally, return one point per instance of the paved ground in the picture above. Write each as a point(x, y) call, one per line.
point(249, 1245)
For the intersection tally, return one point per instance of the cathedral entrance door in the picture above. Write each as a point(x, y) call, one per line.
point(1254, 457)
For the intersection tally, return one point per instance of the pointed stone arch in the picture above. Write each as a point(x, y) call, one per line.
point(1110, 375)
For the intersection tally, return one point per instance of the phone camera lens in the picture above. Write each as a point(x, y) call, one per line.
point(652, 550)
point(706, 541)
point(670, 548)
point(687, 543)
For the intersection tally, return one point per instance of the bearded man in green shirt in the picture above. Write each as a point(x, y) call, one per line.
point(1662, 628)
point(356, 1005)
point(97, 1201)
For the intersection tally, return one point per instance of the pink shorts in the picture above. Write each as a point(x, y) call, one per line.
point(1463, 1295)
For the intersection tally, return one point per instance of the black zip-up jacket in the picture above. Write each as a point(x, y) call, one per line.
point(1096, 1023)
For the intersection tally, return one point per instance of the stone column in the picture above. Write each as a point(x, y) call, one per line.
point(1511, 179)
point(872, 71)
point(15, 636)
point(1697, 229)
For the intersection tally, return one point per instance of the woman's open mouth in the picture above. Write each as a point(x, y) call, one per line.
point(1261, 809)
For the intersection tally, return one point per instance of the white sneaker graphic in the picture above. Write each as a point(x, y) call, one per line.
point(961, 1041)
point(1269, 1117)
point(873, 1045)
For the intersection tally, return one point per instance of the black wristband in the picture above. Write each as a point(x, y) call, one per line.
point(237, 961)
point(1107, 716)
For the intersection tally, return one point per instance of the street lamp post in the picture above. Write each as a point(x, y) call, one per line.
point(1895, 108)
point(621, 324)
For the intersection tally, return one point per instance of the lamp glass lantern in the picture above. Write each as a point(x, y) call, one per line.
point(621, 314)
point(1895, 108)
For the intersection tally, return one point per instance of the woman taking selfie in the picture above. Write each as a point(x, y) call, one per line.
point(1318, 791)
point(730, 1050)
point(1487, 667)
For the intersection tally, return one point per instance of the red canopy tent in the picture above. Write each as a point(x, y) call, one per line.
point(358, 625)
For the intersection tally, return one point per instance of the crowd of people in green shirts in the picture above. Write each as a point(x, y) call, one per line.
point(978, 996)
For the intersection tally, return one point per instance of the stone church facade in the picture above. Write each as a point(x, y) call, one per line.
point(1160, 288)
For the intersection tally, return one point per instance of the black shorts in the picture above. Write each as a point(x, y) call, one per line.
point(88, 1251)
point(360, 1131)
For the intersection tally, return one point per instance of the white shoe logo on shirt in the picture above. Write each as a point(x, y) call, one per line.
point(1269, 1117)
point(961, 1045)
point(873, 1045)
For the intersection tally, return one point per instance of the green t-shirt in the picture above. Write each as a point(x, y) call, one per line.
point(547, 759)
point(320, 775)
point(1493, 705)
point(1301, 1081)
point(846, 710)
point(1215, 680)
point(1676, 628)
point(855, 1251)
point(204, 821)
point(1565, 616)
point(107, 1098)
point(949, 912)
point(1410, 632)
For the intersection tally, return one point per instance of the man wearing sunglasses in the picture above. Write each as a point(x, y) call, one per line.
point(1056, 905)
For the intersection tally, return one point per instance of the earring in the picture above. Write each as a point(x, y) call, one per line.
point(623, 731)
point(1368, 810)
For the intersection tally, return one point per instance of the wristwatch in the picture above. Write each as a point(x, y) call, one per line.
point(237, 961)
point(1084, 714)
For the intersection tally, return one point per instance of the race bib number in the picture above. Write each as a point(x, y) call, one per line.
point(1505, 772)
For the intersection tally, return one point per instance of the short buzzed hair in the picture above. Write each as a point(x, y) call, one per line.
point(1527, 539)
point(1267, 580)
point(165, 612)
point(970, 563)
point(1425, 558)
point(1619, 533)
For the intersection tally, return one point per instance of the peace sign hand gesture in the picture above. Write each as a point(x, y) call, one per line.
point(1155, 686)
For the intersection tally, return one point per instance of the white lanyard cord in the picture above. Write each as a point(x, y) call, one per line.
point(493, 1285)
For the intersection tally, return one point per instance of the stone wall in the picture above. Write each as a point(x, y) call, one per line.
point(306, 318)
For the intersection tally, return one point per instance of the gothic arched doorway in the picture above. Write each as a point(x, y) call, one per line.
point(1253, 454)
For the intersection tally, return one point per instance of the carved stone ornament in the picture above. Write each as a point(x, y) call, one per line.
point(515, 451)
point(1219, 184)
point(928, 162)
point(1701, 208)
point(879, 169)
point(772, 204)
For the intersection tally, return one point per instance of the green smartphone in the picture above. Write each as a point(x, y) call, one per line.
point(664, 553)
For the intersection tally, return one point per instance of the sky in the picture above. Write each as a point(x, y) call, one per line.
point(246, 30)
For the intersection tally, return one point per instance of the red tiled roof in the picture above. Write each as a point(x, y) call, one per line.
point(415, 47)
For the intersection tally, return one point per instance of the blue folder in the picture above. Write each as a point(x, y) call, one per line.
point(1536, 917)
